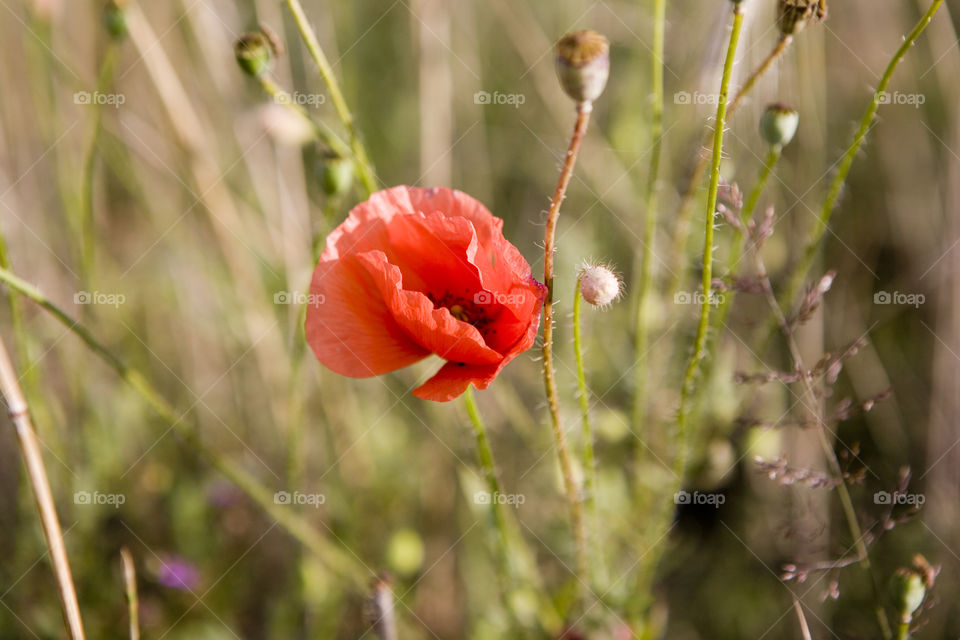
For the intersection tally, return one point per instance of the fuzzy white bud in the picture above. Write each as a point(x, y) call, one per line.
point(599, 285)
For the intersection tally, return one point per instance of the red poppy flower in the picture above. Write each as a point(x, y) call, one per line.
point(413, 272)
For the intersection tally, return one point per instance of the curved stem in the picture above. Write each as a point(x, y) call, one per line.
point(37, 474)
point(799, 273)
point(650, 225)
point(689, 193)
point(687, 389)
point(549, 376)
point(364, 168)
point(336, 559)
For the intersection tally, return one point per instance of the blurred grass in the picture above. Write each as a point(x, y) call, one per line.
point(223, 353)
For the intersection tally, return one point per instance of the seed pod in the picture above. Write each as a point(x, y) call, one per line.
point(793, 15)
point(253, 53)
point(778, 124)
point(115, 18)
point(336, 174)
point(909, 590)
point(583, 65)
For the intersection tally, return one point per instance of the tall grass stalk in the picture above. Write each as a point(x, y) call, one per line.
point(19, 414)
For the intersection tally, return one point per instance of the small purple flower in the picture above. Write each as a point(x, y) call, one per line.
point(176, 572)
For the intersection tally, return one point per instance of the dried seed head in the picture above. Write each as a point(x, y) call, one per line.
point(793, 15)
point(583, 65)
point(599, 285)
point(253, 52)
point(778, 124)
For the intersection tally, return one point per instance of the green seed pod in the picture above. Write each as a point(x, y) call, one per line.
point(336, 174)
point(583, 65)
point(115, 18)
point(778, 124)
point(253, 53)
point(909, 590)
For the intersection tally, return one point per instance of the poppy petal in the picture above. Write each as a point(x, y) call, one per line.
point(349, 326)
point(454, 378)
point(433, 328)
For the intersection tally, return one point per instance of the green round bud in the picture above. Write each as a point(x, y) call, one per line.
point(909, 590)
point(253, 53)
point(336, 174)
point(115, 18)
point(583, 65)
point(778, 124)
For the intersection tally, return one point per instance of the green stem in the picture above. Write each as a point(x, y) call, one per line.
point(650, 226)
point(364, 168)
point(589, 460)
point(682, 427)
point(323, 133)
point(513, 557)
point(87, 235)
point(903, 631)
point(335, 558)
point(688, 198)
point(799, 273)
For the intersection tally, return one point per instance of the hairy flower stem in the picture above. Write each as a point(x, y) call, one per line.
point(799, 273)
point(335, 559)
point(549, 376)
point(846, 502)
point(589, 460)
point(364, 168)
point(689, 193)
point(686, 392)
point(641, 374)
point(36, 472)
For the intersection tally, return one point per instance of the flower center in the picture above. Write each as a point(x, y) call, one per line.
point(469, 308)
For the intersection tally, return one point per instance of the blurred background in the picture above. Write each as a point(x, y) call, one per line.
point(159, 196)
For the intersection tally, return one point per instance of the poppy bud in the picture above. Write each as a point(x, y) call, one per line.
point(336, 174)
point(778, 124)
point(793, 15)
point(599, 285)
point(583, 65)
point(115, 18)
point(909, 590)
point(253, 53)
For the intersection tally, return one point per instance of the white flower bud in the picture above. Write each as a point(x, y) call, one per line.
point(599, 285)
